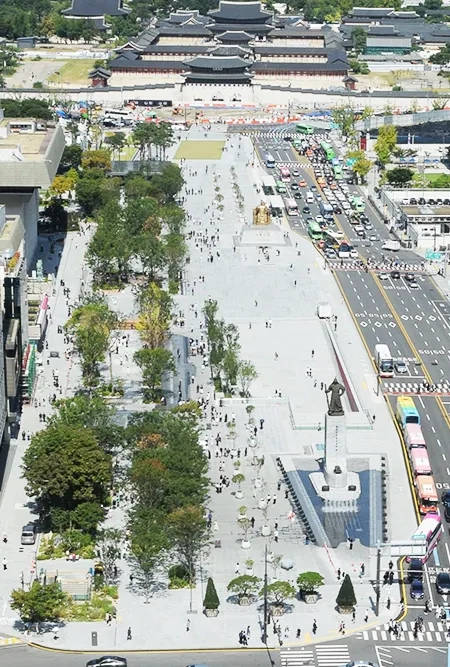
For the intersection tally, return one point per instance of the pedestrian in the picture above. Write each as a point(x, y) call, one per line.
point(366, 616)
point(236, 569)
point(5, 538)
point(298, 633)
point(388, 603)
point(275, 535)
point(129, 633)
point(312, 353)
point(188, 625)
point(252, 521)
point(248, 632)
point(5, 563)
point(353, 615)
point(363, 569)
point(131, 579)
point(339, 573)
point(350, 543)
point(314, 627)
point(391, 565)
point(261, 424)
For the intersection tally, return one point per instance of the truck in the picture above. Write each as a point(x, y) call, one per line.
point(326, 209)
point(391, 245)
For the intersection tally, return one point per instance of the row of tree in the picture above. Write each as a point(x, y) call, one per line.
point(168, 470)
point(227, 369)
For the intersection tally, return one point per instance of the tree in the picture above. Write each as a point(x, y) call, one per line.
point(359, 66)
point(359, 39)
point(279, 591)
point(361, 165)
point(188, 535)
point(91, 412)
point(244, 586)
point(344, 117)
point(71, 158)
point(442, 57)
point(154, 316)
point(64, 467)
point(399, 176)
point(246, 374)
point(153, 364)
point(89, 191)
point(96, 159)
point(211, 599)
point(230, 365)
point(117, 141)
point(148, 544)
point(309, 582)
point(432, 4)
point(108, 548)
point(111, 248)
point(346, 596)
point(39, 604)
point(63, 183)
point(385, 143)
point(167, 184)
point(91, 325)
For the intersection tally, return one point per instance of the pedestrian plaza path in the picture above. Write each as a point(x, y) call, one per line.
point(433, 631)
point(326, 655)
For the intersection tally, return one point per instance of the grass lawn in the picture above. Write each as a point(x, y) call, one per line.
point(200, 150)
point(73, 71)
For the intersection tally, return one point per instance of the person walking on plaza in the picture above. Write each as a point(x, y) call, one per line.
point(314, 627)
point(5, 564)
point(129, 633)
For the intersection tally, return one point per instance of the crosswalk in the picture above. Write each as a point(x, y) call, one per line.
point(404, 267)
point(433, 632)
point(416, 388)
point(324, 655)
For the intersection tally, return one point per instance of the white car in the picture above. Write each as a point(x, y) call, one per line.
point(345, 205)
point(320, 219)
point(383, 276)
point(372, 237)
point(414, 285)
point(353, 254)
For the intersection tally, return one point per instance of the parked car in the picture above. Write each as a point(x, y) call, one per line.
point(414, 285)
point(443, 583)
point(28, 535)
point(416, 589)
point(445, 498)
point(447, 513)
point(410, 277)
point(395, 275)
point(383, 276)
point(306, 209)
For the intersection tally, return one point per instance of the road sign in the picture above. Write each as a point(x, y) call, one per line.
point(433, 255)
point(408, 548)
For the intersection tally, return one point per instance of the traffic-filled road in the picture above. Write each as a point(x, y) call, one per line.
point(394, 301)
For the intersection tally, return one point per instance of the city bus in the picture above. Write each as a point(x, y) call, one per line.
point(413, 436)
point(429, 530)
point(270, 161)
point(314, 230)
point(406, 411)
point(291, 206)
point(304, 129)
point(426, 494)
point(420, 462)
point(328, 150)
point(358, 204)
point(384, 361)
point(285, 174)
point(280, 187)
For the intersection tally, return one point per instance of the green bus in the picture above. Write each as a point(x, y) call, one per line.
point(315, 230)
point(328, 150)
point(304, 129)
point(280, 187)
point(337, 170)
point(358, 204)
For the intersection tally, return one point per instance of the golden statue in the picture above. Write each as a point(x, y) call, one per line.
point(261, 215)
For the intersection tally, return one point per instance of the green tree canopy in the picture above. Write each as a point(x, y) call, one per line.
point(211, 599)
point(154, 364)
point(279, 591)
point(39, 604)
point(244, 585)
point(399, 176)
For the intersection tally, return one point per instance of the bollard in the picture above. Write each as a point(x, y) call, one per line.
point(94, 639)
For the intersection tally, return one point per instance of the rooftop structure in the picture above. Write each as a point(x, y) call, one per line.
point(187, 47)
point(95, 11)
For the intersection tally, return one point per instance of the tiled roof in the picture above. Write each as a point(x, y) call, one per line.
point(234, 36)
point(328, 66)
point(206, 76)
point(229, 51)
point(217, 63)
point(180, 30)
point(245, 27)
point(241, 10)
point(96, 8)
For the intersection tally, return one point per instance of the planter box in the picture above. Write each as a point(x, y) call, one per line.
point(245, 544)
point(277, 610)
point(310, 598)
point(265, 531)
point(211, 613)
point(345, 610)
point(245, 600)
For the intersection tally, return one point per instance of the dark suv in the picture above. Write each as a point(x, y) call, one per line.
point(415, 569)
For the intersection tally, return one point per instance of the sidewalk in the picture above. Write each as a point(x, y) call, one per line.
point(238, 276)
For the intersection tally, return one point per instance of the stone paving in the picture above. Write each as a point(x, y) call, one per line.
point(279, 330)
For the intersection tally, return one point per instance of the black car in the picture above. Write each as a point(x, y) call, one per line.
point(297, 195)
point(446, 202)
point(422, 201)
point(337, 209)
point(108, 661)
point(447, 513)
point(415, 569)
point(294, 186)
point(410, 277)
point(443, 583)
point(306, 209)
point(413, 201)
point(395, 275)
point(432, 202)
point(445, 498)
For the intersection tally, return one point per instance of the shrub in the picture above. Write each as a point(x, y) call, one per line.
point(178, 576)
point(211, 600)
point(346, 596)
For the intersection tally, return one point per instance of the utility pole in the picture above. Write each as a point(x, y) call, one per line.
point(265, 598)
point(378, 586)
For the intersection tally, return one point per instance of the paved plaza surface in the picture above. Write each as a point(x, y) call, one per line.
point(273, 302)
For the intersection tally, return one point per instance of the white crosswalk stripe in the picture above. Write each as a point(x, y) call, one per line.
point(332, 655)
point(416, 387)
point(326, 655)
point(433, 631)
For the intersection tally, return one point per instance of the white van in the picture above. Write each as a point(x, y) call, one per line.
point(309, 197)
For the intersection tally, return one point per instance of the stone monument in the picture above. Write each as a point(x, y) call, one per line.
point(335, 484)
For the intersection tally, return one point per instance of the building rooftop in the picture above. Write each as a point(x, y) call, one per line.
point(29, 158)
point(206, 76)
point(217, 64)
point(244, 11)
point(426, 210)
point(234, 36)
point(96, 8)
